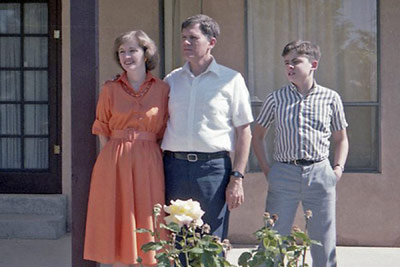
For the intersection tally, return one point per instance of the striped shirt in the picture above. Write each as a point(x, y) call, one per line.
point(303, 124)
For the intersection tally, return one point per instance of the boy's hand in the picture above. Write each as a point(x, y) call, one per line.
point(339, 172)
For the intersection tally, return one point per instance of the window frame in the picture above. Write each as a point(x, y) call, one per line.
point(377, 104)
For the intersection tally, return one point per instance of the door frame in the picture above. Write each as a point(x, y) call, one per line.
point(44, 181)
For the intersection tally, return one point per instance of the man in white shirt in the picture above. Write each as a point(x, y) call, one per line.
point(210, 115)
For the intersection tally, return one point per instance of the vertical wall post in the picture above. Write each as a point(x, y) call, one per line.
point(84, 82)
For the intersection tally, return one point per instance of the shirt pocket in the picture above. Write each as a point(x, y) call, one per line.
point(216, 107)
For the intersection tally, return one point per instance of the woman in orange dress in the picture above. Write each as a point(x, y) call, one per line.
point(127, 179)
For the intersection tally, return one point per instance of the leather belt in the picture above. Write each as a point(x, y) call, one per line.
point(131, 134)
point(196, 156)
point(301, 162)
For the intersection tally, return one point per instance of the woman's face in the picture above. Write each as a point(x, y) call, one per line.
point(131, 56)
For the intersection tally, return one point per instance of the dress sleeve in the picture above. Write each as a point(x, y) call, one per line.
point(103, 114)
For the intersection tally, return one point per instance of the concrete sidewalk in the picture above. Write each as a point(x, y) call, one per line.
point(57, 253)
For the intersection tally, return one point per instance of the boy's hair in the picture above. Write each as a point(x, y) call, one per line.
point(144, 41)
point(208, 26)
point(303, 48)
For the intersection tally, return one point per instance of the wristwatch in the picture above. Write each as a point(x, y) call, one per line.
point(237, 174)
point(340, 166)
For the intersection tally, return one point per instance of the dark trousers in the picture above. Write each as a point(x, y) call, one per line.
point(203, 181)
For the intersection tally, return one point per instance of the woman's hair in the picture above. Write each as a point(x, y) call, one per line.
point(144, 41)
point(303, 48)
point(208, 26)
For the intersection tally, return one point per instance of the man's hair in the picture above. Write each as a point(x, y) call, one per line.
point(306, 48)
point(144, 41)
point(208, 26)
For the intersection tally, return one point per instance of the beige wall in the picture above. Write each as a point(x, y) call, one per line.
point(116, 17)
point(368, 205)
point(230, 48)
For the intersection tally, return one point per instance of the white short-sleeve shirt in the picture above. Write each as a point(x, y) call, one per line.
point(204, 110)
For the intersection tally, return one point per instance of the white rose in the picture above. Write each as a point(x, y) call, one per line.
point(184, 212)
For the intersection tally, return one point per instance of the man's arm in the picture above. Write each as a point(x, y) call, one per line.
point(234, 192)
point(341, 150)
point(257, 143)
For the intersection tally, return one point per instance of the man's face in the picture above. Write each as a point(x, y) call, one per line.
point(195, 45)
point(298, 67)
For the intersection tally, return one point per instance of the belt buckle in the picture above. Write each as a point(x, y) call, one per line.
point(131, 134)
point(295, 162)
point(191, 157)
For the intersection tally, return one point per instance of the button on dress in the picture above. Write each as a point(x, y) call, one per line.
point(127, 179)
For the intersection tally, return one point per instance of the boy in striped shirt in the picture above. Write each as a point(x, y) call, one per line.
point(306, 115)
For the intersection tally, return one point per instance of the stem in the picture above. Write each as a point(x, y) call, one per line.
point(184, 235)
point(304, 241)
point(157, 234)
point(304, 255)
point(281, 254)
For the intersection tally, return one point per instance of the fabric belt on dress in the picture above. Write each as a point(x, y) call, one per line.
point(131, 134)
point(301, 162)
point(196, 156)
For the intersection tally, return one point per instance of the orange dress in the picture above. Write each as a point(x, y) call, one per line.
point(128, 178)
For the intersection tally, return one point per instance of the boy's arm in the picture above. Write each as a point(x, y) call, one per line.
point(257, 142)
point(341, 150)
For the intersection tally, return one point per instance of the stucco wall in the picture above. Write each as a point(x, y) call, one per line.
point(368, 210)
point(122, 16)
point(230, 49)
point(368, 204)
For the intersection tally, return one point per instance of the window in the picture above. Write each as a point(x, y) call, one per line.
point(346, 32)
point(28, 90)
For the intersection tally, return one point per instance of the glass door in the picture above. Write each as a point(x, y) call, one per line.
point(29, 151)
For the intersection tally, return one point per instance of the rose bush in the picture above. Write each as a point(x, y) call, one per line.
point(189, 242)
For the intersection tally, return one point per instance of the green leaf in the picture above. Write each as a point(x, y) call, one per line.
point(207, 260)
point(244, 258)
point(196, 250)
point(173, 227)
point(316, 243)
point(162, 260)
point(300, 235)
point(143, 230)
point(152, 246)
point(213, 247)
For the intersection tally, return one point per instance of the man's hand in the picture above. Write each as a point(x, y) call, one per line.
point(234, 193)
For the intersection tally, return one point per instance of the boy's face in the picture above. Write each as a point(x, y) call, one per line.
point(299, 68)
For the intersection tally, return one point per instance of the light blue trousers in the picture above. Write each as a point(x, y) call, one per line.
point(315, 187)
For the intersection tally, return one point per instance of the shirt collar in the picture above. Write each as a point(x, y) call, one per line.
point(213, 67)
point(124, 78)
point(313, 88)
